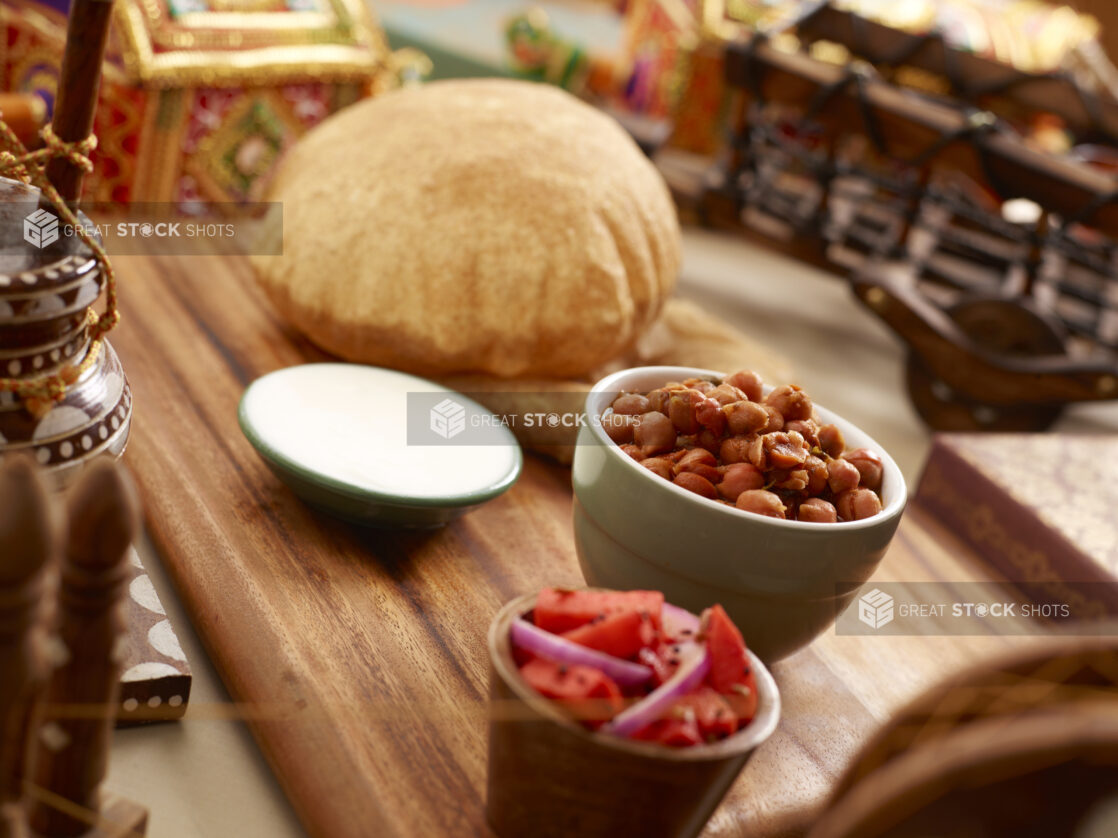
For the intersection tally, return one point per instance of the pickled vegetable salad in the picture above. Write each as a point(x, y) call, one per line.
point(628, 664)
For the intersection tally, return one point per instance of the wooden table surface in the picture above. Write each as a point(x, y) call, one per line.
point(358, 657)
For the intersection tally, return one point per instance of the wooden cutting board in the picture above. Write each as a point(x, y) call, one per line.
point(359, 656)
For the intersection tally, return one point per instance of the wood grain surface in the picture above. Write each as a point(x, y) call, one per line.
point(359, 657)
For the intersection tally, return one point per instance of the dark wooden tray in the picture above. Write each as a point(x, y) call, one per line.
point(359, 657)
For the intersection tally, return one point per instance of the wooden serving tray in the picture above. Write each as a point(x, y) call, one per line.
point(359, 656)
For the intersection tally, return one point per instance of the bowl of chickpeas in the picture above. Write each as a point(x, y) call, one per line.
point(721, 488)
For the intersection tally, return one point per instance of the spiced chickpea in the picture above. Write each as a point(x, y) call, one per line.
point(696, 456)
point(857, 504)
point(633, 451)
point(794, 480)
point(708, 439)
point(784, 450)
point(791, 401)
point(817, 511)
point(756, 452)
point(631, 404)
point(726, 394)
point(701, 384)
point(738, 478)
point(710, 473)
point(660, 466)
point(807, 428)
point(701, 462)
point(842, 476)
point(776, 420)
point(745, 417)
point(709, 415)
point(749, 383)
point(761, 502)
point(735, 449)
point(816, 475)
point(658, 400)
point(685, 442)
point(655, 433)
point(619, 427)
point(697, 484)
point(831, 440)
point(869, 466)
point(767, 455)
point(681, 410)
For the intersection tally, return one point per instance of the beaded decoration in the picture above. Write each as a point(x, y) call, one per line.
point(39, 395)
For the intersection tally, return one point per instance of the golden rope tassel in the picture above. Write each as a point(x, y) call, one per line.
point(39, 395)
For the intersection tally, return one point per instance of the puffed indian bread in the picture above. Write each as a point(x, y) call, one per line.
point(484, 226)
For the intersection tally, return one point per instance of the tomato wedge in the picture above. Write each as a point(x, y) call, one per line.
point(663, 659)
point(713, 713)
point(728, 660)
point(676, 733)
point(621, 635)
point(558, 610)
point(730, 672)
point(589, 694)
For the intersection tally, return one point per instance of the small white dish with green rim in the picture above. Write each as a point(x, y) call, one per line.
point(338, 435)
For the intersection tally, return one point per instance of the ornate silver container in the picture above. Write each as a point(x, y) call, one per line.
point(46, 295)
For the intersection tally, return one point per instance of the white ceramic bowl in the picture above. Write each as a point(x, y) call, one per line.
point(782, 582)
point(338, 435)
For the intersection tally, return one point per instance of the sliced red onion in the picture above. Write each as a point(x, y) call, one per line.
point(695, 666)
point(675, 621)
point(553, 647)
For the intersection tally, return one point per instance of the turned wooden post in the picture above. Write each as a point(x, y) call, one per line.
point(78, 83)
point(28, 542)
point(73, 741)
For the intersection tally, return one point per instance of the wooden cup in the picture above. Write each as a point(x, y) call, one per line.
point(548, 776)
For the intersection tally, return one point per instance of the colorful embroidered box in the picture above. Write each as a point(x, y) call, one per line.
point(1039, 508)
point(200, 97)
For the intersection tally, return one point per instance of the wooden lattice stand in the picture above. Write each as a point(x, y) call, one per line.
point(992, 255)
point(61, 585)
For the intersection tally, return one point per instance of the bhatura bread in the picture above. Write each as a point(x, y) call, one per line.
point(485, 226)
